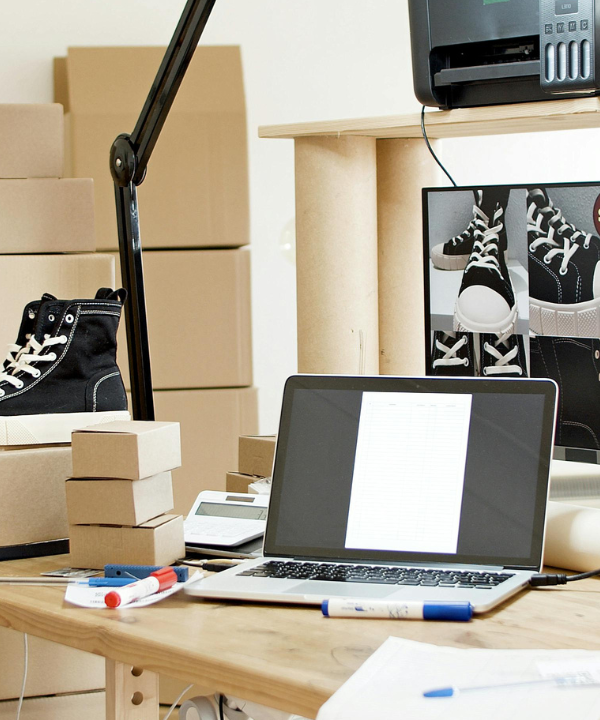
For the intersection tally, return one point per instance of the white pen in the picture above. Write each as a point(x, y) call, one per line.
point(346, 607)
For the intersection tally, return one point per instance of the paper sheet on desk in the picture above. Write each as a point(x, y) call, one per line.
point(391, 683)
point(93, 597)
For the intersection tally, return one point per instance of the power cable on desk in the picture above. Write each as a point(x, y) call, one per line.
point(25, 664)
point(545, 579)
point(431, 150)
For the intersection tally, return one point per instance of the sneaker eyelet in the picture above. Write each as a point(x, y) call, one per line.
point(51, 356)
point(51, 318)
point(20, 385)
point(63, 339)
point(597, 354)
point(531, 248)
point(2, 393)
point(69, 319)
point(562, 272)
point(466, 362)
point(547, 260)
point(485, 372)
point(37, 373)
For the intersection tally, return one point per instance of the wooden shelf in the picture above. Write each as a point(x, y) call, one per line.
point(493, 120)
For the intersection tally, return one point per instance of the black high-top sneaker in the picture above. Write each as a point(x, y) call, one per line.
point(502, 355)
point(564, 272)
point(25, 332)
point(67, 377)
point(486, 300)
point(454, 254)
point(574, 364)
point(453, 354)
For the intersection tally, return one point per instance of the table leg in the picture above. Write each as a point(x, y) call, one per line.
point(131, 692)
point(404, 167)
point(336, 255)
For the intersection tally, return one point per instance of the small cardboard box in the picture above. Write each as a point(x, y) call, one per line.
point(238, 482)
point(47, 216)
point(91, 706)
point(27, 277)
point(196, 192)
point(211, 290)
point(156, 542)
point(31, 141)
point(257, 453)
point(126, 450)
point(33, 507)
point(211, 423)
point(119, 502)
point(51, 668)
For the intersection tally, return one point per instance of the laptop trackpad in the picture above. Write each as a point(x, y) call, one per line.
point(331, 589)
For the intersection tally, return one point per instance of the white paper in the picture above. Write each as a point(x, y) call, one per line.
point(409, 472)
point(391, 683)
point(93, 597)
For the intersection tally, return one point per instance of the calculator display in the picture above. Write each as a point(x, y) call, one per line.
point(244, 512)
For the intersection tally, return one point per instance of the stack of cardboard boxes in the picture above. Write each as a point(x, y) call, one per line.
point(120, 495)
point(256, 455)
point(194, 221)
point(47, 244)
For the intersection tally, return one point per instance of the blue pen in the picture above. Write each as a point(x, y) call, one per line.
point(576, 680)
point(345, 607)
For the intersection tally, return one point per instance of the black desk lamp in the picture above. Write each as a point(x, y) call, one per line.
point(129, 156)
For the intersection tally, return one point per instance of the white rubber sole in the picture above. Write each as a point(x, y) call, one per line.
point(464, 324)
point(51, 429)
point(448, 262)
point(577, 320)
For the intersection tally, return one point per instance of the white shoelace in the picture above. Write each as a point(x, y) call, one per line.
point(478, 224)
point(567, 250)
point(31, 354)
point(450, 352)
point(501, 364)
point(481, 255)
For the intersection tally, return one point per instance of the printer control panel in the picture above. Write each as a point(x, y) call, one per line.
point(567, 45)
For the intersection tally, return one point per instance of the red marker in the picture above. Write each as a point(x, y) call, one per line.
point(156, 582)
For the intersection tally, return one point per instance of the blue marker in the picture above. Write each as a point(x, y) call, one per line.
point(344, 607)
point(105, 582)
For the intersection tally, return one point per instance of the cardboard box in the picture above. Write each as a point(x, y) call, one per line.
point(238, 482)
point(257, 454)
point(27, 277)
point(46, 216)
point(119, 502)
point(156, 542)
point(211, 422)
point(196, 191)
point(206, 310)
point(32, 489)
point(91, 706)
point(31, 141)
point(126, 450)
point(169, 689)
point(51, 668)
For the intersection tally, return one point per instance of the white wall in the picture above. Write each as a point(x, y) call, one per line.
point(303, 60)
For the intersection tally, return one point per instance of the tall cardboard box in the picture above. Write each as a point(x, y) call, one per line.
point(27, 277)
point(197, 301)
point(211, 423)
point(31, 141)
point(33, 506)
point(51, 668)
point(196, 192)
point(45, 215)
point(91, 706)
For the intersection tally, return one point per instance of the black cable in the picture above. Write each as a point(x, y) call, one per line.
point(221, 700)
point(543, 579)
point(435, 157)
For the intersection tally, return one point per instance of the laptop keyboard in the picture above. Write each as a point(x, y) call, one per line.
point(386, 575)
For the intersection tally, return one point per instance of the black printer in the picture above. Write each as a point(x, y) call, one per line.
point(487, 52)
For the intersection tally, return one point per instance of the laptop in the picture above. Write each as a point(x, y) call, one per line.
point(403, 489)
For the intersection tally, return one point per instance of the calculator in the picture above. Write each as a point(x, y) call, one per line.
point(225, 519)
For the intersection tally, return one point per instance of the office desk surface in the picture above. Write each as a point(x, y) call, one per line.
point(286, 657)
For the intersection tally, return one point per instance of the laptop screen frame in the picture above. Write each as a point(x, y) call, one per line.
point(543, 387)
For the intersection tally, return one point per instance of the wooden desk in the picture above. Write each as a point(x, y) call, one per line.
point(289, 658)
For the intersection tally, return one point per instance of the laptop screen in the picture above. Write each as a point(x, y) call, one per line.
point(412, 470)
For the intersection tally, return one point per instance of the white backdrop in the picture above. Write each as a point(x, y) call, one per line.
point(303, 60)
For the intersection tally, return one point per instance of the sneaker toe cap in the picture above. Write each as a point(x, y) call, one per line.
point(482, 305)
